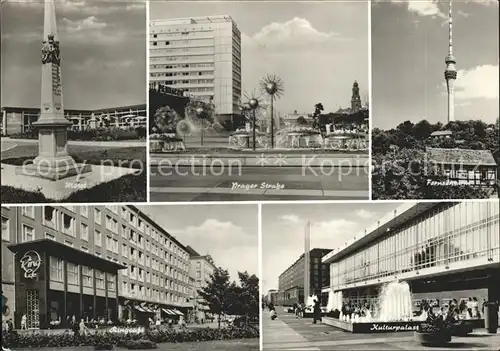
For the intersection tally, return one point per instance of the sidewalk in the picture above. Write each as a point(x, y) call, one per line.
point(274, 334)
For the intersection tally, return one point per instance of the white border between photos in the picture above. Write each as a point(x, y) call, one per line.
point(260, 273)
point(147, 170)
point(370, 101)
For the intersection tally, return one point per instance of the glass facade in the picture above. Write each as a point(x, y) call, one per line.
point(450, 232)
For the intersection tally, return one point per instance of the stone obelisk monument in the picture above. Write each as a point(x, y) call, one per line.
point(53, 161)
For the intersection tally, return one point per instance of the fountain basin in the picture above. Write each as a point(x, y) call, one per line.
point(372, 326)
point(432, 339)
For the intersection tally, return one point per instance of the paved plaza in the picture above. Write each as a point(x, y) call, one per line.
point(289, 333)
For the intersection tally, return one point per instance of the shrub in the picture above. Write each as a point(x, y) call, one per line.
point(150, 338)
point(141, 344)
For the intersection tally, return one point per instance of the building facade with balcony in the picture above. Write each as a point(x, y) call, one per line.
point(200, 56)
point(445, 251)
point(97, 262)
point(201, 267)
point(20, 119)
point(291, 281)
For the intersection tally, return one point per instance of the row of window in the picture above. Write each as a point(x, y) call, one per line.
point(460, 232)
point(188, 65)
point(64, 222)
point(73, 275)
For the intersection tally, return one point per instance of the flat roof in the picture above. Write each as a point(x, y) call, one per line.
point(68, 253)
point(193, 20)
point(391, 220)
point(464, 157)
point(37, 109)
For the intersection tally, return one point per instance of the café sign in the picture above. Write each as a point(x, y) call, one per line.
point(30, 264)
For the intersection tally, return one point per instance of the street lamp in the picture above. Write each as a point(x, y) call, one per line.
point(200, 113)
point(253, 103)
point(273, 86)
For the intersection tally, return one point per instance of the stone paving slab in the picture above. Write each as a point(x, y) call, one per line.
point(60, 189)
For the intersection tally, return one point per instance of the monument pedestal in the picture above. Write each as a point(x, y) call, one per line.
point(53, 161)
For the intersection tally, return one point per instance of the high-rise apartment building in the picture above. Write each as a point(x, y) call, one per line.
point(291, 281)
point(98, 262)
point(202, 57)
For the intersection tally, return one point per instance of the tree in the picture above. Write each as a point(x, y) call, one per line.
point(166, 119)
point(422, 129)
point(246, 296)
point(301, 121)
point(218, 295)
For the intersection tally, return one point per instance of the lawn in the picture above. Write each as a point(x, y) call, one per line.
point(130, 188)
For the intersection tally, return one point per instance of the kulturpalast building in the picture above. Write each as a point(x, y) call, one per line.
point(444, 250)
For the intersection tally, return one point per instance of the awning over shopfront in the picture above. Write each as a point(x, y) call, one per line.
point(170, 312)
point(177, 312)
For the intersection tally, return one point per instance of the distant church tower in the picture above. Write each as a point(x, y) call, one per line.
point(450, 74)
point(356, 99)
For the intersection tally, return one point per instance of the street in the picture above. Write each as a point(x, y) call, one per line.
point(256, 183)
point(289, 333)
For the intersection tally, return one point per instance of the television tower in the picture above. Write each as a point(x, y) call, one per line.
point(450, 73)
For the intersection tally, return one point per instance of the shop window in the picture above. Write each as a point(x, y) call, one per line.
point(87, 276)
point(5, 229)
point(99, 279)
point(73, 276)
point(56, 269)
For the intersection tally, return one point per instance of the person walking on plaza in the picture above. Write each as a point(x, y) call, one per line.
point(316, 312)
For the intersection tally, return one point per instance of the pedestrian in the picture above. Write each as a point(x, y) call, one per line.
point(23, 322)
point(82, 327)
point(10, 326)
point(316, 312)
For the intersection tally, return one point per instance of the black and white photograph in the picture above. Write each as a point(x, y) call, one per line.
point(130, 277)
point(435, 129)
point(73, 102)
point(381, 276)
point(258, 101)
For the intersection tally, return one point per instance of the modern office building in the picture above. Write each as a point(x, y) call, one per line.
point(445, 250)
point(291, 281)
point(19, 119)
point(202, 57)
point(201, 267)
point(98, 262)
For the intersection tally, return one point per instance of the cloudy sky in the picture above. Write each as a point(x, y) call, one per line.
point(283, 228)
point(318, 49)
point(228, 233)
point(409, 45)
point(103, 46)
